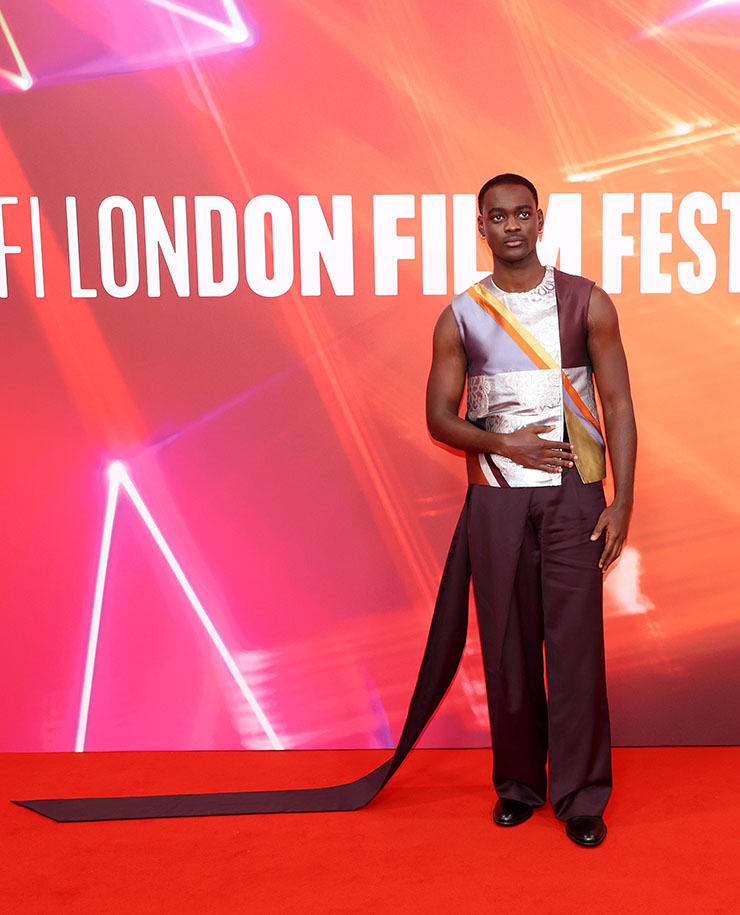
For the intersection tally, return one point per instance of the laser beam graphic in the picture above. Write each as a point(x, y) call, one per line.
point(22, 78)
point(234, 30)
point(119, 478)
point(681, 139)
point(696, 10)
point(691, 11)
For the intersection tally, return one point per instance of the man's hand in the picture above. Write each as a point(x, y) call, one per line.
point(527, 448)
point(615, 521)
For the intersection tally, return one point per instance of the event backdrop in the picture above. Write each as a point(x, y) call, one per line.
point(227, 230)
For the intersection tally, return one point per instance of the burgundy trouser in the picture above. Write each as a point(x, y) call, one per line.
point(536, 578)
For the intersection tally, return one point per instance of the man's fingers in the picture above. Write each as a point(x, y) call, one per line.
point(611, 553)
point(616, 533)
point(606, 555)
point(617, 554)
point(563, 461)
point(598, 530)
point(555, 464)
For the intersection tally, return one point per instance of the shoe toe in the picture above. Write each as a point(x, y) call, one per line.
point(586, 831)
point(509, 812)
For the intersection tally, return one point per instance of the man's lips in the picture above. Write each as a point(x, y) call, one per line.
point(514, 241)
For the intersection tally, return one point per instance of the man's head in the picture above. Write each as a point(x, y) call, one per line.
point(507, 178)
point(509, 217)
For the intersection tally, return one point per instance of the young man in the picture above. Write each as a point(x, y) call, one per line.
point(532, 532)
point(528, 339)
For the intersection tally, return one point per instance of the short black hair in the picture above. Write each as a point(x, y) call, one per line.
point(506, 178)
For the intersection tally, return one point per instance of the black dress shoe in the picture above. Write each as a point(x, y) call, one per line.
point(509, 812)
point(586, 831)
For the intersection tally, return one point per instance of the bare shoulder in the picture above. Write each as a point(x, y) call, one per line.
point(446, 331)
point(446, 320)
point(602, 312)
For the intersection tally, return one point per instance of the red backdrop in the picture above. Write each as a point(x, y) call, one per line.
point(182, 179)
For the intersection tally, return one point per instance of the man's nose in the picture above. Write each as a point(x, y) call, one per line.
point(511, 224)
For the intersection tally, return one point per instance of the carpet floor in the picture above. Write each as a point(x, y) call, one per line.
point(426, 844)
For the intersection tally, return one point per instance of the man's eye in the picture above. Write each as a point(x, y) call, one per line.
point(497, 218)
point(524, 214)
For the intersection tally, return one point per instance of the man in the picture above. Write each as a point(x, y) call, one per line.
point(539, 535)
point(531, 532)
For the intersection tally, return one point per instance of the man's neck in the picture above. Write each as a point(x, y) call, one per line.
point(518, 277)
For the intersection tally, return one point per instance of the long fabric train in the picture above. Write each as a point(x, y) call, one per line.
point(444, 648)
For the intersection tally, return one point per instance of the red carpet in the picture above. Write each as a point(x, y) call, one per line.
point(427, 844)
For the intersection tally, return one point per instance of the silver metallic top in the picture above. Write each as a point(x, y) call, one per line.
point(511, 392)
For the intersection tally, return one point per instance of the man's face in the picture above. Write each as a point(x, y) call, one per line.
point(510, 221)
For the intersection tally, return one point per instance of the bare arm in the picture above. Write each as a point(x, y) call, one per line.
point(444, 391)
point(610, 368)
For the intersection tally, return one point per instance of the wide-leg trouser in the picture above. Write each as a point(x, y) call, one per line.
point(536, 578)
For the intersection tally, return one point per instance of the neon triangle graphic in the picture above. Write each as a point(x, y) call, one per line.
point(235, 29)
point(119, 479)
point(22, 79)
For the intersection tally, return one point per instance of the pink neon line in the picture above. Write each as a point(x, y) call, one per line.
point(119, 477)
point(236, 30)
point(92, 644)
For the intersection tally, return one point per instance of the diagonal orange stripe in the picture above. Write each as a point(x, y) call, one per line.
point(508, 321)
point(578, 401)
point(530, 347)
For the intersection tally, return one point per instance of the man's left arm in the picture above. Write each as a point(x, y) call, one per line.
point(612, 378)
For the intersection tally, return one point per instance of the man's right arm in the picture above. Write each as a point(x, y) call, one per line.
point(444, 392)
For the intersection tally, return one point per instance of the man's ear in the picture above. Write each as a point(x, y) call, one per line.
point(540, 220)
point(481, 230)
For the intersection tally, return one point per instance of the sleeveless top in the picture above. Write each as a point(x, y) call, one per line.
point(528, 363)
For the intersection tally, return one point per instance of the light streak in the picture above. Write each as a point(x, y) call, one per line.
point(234, 30)
point(697, 10)
point(119, 478)
point(92, 643)
point(687, 13)
point(22, 78)
point(679, 139)
point(623, 585)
